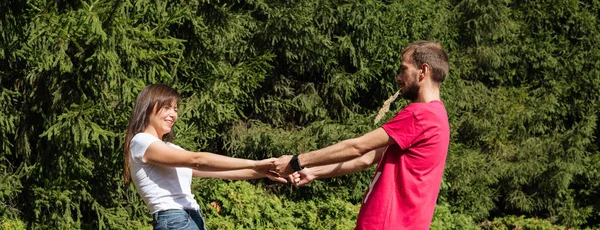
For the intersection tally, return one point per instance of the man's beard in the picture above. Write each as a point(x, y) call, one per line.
point(412, 91)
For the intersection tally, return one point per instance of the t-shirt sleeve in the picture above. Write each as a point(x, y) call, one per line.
point(139, 144)
point(175, 146)
point(403, 128)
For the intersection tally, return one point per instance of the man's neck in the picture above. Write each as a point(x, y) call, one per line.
point(427, 95)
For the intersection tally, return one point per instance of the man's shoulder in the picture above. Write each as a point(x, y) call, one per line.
point(435, 107)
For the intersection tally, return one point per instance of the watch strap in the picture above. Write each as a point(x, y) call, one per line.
point(295, 164)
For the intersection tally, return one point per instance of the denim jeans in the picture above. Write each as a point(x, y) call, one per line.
point(178, 219)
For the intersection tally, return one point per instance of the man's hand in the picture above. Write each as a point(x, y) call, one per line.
point(282, 165)
point(302, 177)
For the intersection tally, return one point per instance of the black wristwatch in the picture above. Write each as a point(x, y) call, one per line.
point(295, 164)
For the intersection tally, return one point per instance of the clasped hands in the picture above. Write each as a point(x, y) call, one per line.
point(277, 169)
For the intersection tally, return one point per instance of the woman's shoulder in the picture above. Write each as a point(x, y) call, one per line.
point(140, 143)
point(144, 138)
point(143, 135)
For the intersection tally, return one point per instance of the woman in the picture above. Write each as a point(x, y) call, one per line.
point(162, 172)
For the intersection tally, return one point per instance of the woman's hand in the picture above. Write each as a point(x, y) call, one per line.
point(264, 167)
point(275, 177)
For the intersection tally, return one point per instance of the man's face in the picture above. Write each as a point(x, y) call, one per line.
point(408, 79)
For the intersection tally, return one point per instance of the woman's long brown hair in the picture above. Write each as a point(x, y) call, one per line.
point(153, 96)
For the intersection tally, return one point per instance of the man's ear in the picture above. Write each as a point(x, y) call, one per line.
point(424, 69)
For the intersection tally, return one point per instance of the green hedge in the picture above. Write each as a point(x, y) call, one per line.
point(262, 78)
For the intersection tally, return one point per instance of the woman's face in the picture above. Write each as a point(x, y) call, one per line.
point(162, 120)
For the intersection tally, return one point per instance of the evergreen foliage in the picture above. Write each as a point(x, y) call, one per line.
point(262, 78)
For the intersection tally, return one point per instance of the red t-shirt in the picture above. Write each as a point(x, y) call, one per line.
point(404, 190)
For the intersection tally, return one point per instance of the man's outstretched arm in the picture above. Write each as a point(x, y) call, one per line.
point(309, 174)
point(343, 151)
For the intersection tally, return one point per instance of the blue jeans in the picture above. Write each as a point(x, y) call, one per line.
point(178, 219)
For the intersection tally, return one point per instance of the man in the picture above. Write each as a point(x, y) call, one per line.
point(410, 149)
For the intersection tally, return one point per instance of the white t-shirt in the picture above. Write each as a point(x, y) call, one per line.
point(161, 187)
